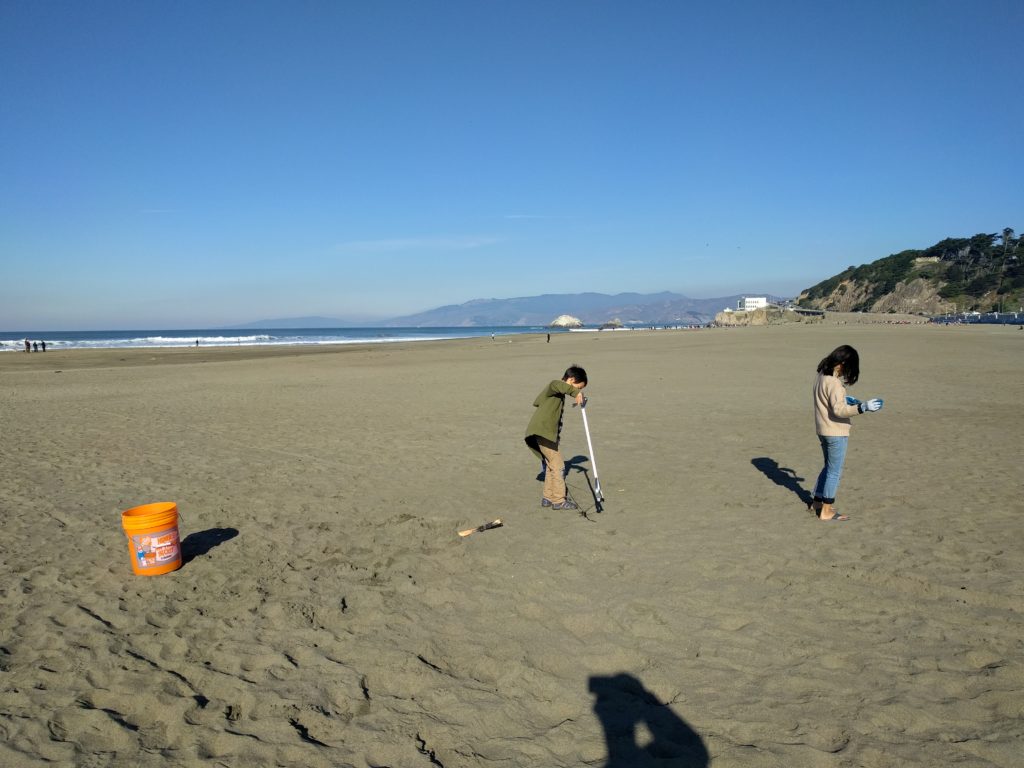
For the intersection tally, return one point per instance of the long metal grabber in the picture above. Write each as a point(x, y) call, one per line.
point(590, 446)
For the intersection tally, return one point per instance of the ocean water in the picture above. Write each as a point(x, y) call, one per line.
point(219, 337)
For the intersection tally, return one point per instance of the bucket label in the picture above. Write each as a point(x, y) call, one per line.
point(153, 549)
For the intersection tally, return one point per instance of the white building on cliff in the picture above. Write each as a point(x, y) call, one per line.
point(750, 303)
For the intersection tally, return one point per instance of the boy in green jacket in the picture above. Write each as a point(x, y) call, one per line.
point(543, 431)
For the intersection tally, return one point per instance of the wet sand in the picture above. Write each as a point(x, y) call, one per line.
point(327, 613)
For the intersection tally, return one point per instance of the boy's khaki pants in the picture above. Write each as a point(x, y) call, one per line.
point(554, 478)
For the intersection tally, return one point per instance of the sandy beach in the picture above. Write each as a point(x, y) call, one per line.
point(327, 614)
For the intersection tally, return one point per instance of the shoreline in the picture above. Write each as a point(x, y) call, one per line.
point(127, 357)
point(71, 359)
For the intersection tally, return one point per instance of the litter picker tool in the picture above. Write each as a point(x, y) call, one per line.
point(590, 446)
point(485, 527)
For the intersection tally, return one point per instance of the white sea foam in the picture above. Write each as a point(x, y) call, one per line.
point(263, 337)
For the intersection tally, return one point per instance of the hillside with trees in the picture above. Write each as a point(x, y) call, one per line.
point(981, 273)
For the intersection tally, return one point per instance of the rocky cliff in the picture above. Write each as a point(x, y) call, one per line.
point(566, 321)
point(983, 272)
point(914, 296)
point(763, 316)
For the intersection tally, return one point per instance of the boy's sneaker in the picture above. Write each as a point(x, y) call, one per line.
point(567, 504)
point(545, 503)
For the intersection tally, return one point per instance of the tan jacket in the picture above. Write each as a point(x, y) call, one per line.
point(831, 413)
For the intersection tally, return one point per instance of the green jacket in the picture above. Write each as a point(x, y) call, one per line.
point(549, 404)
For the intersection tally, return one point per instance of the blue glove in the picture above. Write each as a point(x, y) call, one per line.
point(852, 400)
point(874, 404)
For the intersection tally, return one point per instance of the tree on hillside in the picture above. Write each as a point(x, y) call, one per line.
point(969, 267)
point(1010, 278)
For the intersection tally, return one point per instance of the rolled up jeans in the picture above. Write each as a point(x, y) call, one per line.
point(833, 449)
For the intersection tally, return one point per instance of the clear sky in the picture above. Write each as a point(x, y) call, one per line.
point(195, 163)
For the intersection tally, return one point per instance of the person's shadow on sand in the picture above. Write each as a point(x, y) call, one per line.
point(622, 704)
point(576, 463)
point(783, 476)
point(570, 464)
point(198, 544)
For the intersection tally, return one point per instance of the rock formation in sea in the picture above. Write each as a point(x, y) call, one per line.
point(566, 321)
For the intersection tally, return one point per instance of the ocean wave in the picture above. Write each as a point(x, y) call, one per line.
point(262, 337)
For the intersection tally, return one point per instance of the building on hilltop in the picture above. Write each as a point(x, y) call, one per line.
point(754, 303)
point(750, 303)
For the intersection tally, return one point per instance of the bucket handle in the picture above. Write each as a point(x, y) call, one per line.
point(129, 536)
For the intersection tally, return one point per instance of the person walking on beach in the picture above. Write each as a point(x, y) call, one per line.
point(832, 412)
point(542, 433)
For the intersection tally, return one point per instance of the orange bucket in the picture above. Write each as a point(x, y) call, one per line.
point(153, 543)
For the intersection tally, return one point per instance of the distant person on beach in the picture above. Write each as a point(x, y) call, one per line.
point(542, 433)
point(28, 346)
point(35, 346)
point(42, 345)
point(197, 342)
point(832, 412)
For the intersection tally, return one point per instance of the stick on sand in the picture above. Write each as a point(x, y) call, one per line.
point(485, 527)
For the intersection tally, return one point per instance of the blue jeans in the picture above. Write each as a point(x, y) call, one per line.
point(834, 451)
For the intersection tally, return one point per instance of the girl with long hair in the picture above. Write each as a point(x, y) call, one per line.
point(832, 411)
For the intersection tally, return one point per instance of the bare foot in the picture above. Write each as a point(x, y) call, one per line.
point(836, 518)
point(826, 513)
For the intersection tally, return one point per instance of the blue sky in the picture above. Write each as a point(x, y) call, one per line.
point(187, 164)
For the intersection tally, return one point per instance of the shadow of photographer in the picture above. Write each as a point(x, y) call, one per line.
point(626, 709)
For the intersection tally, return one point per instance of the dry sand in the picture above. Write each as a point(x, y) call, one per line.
point(328, 615)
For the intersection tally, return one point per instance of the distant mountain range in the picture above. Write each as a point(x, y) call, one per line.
point(983, 272)
point(591, 308)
